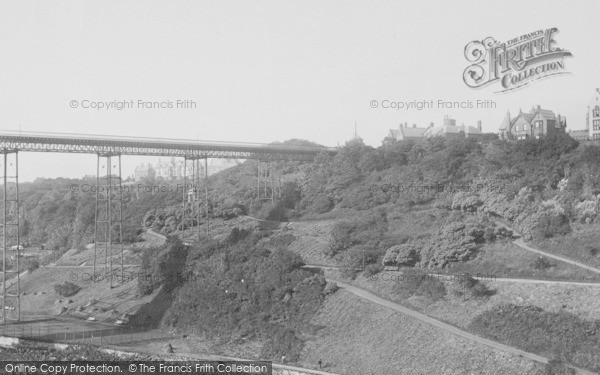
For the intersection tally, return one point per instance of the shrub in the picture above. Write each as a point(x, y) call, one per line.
point(282, 342)
point(475, 287)
point(350, 263)
point(162, 266)
point(552, 226)
point(32, 265)
point(417, 283)
point(542, 263)
point(367, 230)
point(372, 269)
point(277, 213)
point(402, 255)
point(558, 367)
point(322, 205)
point(66, 289)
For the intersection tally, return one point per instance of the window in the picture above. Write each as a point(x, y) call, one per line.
point(597, 111)
point(538, 124)
point(524, 127)
point(596, 124)
point(596, 137)
point(516, 128)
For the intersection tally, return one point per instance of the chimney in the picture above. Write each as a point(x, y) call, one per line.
point(431, 124)
point(414, 125)
point(479, 125)
point(406, 124)
point(539, 108)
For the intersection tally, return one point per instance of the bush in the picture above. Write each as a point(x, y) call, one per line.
point(282, 342)
point(322, 205)
point(475, 287)
point(32, 265)
point(372, 269)
point(558, 367)
point(542, 263)
point(417, 283)
point(367, 230)
point(66, 289)
point(162, 266)
point(277, 213)
point(402, 255)
point(553, 226)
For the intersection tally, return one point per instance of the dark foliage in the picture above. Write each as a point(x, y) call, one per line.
point(66, 289)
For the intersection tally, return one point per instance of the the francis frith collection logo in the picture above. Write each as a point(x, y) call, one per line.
point(514, 63)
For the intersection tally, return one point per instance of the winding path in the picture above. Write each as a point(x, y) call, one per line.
point(519, 242)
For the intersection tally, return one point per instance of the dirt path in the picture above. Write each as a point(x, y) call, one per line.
point(519, 242)
point(447, 327)
point(501, 279)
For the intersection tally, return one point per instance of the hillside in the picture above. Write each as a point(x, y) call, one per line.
point(433, 206)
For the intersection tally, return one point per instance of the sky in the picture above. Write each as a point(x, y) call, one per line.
point(264, 71)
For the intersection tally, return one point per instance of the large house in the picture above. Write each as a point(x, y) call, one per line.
point(534, 124)
point(144, 171)
point(172, 169)
point(404, 132)
point(592, 123)
point(449, 129)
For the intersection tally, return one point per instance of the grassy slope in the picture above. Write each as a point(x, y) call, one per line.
point(363, 338)
point(576, 244)
point(503, 259)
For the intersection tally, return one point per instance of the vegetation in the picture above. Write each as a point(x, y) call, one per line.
point(249, 288)
point(66, 289)
point(163, 266)
point(552, 334)
point(417, 283)
point(474, 287)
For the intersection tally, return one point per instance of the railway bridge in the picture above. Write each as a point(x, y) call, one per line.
point(108, 231)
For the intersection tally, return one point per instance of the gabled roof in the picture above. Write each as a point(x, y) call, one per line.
point(526, 116)
point(394, 133)
point(413, 132)
point(547, 114)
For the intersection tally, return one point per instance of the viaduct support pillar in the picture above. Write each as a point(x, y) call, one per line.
point(10, 241)
point(108, 228)
point(191, 208)
point(268, 187)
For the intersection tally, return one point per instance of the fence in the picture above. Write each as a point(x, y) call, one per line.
point(97, 336)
